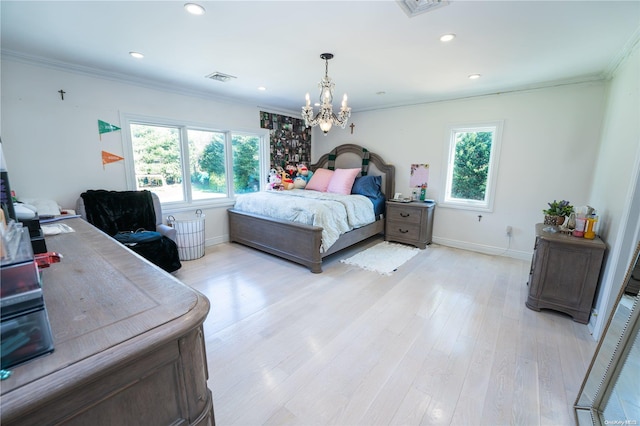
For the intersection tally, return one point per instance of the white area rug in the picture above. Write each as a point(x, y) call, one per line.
point(383, 258)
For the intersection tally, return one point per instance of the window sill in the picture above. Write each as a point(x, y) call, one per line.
point(202, 205)
point(466, 206)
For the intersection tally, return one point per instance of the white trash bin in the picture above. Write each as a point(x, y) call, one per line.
point(189, 235)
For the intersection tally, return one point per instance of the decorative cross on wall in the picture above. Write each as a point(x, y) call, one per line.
point(352, 126)
point(62, 92)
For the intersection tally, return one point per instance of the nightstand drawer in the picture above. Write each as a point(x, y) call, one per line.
point(404, 214)
point(403, 230)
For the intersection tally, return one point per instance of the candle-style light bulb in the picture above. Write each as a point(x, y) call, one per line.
point(307, 99)
point(344, 101)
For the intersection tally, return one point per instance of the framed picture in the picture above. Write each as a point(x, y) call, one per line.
point(419, 176)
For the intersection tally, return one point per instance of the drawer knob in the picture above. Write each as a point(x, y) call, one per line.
point(405, 214)
point(403, 231)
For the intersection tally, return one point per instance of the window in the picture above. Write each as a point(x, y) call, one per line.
point(187, 164)
point(472, 164)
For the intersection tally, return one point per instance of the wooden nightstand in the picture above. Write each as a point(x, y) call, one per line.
point(410, 223)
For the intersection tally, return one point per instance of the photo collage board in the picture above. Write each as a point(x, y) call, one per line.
point(290, 140)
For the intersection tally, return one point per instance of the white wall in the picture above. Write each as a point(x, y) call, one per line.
point(53, 149)
point(550, 143)
point(616, 189)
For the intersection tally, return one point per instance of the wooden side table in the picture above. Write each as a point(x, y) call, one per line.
point(409, 223)
point(564, 273)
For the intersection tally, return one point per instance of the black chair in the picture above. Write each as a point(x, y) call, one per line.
point(115, 212)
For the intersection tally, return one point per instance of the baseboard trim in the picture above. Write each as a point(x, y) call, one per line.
point(217, 240)
point(480, 248)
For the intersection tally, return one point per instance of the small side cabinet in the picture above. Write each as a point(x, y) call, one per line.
point(564, 273)
point(409, 223)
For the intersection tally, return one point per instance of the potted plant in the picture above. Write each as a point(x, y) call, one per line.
point(557, 211)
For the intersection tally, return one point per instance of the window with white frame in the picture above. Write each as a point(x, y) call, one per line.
point(472, 165)
point(185, 163)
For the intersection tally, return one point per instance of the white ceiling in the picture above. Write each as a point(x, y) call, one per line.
point(377, 47)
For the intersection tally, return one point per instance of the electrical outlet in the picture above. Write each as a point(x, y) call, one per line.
point(509, 230)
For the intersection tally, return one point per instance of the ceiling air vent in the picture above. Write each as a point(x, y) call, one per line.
point(219, 76)
point(416, 7)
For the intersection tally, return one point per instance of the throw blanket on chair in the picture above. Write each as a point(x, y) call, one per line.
point(129, 211)
point(120, 211)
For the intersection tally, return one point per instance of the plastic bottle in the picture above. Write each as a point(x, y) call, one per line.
point(580, 225)
point(423, 192)
point(571, 222)
point(590, 231)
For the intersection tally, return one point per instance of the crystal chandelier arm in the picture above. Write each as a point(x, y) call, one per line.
point(342, 117)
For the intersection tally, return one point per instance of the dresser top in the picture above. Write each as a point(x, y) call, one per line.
point(410, 204)
point(562, 237)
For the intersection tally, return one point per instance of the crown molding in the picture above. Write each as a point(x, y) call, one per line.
point(622, 56)
point(6, 54)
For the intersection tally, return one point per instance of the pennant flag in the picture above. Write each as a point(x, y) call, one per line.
point(108, 157)
point(104, 127)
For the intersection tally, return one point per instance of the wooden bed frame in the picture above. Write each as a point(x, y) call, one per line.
point(298, 242)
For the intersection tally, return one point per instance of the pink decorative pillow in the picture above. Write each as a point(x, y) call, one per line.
point(320, 180)
point(342, 181)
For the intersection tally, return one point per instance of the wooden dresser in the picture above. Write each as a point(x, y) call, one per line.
point(129, 346)
point(409, 223)
point(564, 273)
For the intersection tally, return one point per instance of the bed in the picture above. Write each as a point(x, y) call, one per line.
point(300, 242)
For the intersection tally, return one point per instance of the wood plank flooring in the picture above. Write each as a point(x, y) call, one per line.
point(446, 339)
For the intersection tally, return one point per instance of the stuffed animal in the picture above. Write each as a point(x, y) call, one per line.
point(292, 170)
point(275, 180)
point(299, 182)
point(287, 182)
point(304, 172)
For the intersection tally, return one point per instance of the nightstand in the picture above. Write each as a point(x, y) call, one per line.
point(409, 223)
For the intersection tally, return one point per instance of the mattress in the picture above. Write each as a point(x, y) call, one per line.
point(335, 213)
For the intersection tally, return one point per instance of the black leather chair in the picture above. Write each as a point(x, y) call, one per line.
point(128, 211)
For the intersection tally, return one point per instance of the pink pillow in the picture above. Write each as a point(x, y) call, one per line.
point(342, 181)
point(320, 180)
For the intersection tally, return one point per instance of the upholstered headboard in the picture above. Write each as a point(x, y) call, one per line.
point(350, 156)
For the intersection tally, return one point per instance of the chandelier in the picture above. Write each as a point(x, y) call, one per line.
point(325, 118)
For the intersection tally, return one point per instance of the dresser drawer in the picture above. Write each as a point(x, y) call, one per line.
point(404, 230)
point(404, 214)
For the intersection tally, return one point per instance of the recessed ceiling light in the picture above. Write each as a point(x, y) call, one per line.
point(447, 37)
point(474, 76)
point(194, 9)
point(262, 88)
point(381, 93)
point(136, 55)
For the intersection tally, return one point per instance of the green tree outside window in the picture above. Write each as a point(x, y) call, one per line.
point(471, 165)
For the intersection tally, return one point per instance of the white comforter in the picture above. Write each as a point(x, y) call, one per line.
point(335, 213)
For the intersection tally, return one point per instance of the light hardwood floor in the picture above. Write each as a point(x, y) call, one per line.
point(446, 339)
